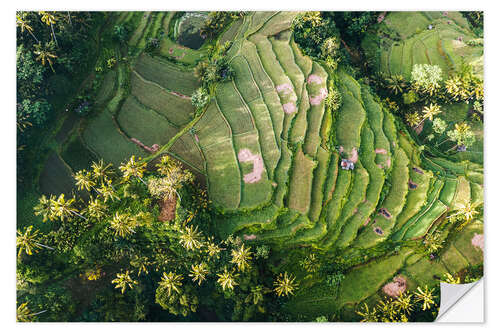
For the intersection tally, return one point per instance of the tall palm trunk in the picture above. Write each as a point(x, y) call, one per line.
point(37, 41)
point(45, 246)
point(53, 34)
point(69, 18)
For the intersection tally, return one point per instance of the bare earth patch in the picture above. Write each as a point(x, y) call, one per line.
point(478, 241)
point(313, 78)
point(354, 155)
point(167, 209)
point(154, 148)
point(289, 107)
point(249, 237)
point(285, 88)
point(245, 155)
point(388, 162)
point(316, 100)
point(380, 151)
point(395, 288)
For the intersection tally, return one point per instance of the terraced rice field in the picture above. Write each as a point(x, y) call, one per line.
point(436, 38)
point(261, 143)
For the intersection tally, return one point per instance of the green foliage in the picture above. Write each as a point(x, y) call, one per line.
point(120, 33)
point(200, 98)
point(316, 34)
point(334, 99)
point(217, 21)
point(426, 79)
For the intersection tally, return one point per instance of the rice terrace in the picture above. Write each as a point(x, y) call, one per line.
point(247, 166)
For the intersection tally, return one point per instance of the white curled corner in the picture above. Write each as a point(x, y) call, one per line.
point(451, 297)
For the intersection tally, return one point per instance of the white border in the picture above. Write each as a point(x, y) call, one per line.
point(7, 132)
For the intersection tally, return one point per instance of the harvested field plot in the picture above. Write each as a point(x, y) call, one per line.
point(167, 75)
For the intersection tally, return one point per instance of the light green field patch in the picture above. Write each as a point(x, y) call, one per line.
point(350, 117)
point(320, 174)
point(177, 109)
point(186, 148)
point(422, 225)
point(256, 193)
point(212, 127)
point(365, 280)
point(223, 175)
point(234, 109)
point(415, 199)
point(144, 124)
point(167, 75)
point(315, 113)
point(284, 54)
point(299, 196)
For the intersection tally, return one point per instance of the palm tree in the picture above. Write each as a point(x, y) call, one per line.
point(133, 169)
point(49, 20)
point(107, 192)
point(96, 208)
point(256, 294)
point(413, 119)
point(403, 303)
point(199, 272)
point(44, 54)
point(123, 224)
point(227, 279)
point(241, 256)
point(84, 180)
point(367, 315)
point(430, 111)
point(450, 279)
point(174, 176)
point(64, 208)
point(23, 313)
point(45, 208)
point(396, 83)
point(29, 242)
point(123, 280)
point(285, 284)
point(142, 263)
point(23, 23)
point(310, 263)
point(467, 211)
point(100, 171)
point(171, 281)
point(426, 297)
point(213, 249)
point(191, 238)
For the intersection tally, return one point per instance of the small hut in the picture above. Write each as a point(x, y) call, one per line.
point(347, 164)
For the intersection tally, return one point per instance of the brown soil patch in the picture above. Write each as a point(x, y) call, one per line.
point(245, 155)
point(478, 241)
point(380, 151)
point(167, 209)
point(313, 78)
point(289, 107)
point(285, 88)
point(354, 155)
point(316, 100)
point(153, 149)
point(249, 237)
point(395, 288)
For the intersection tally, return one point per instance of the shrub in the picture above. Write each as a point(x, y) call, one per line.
point(334, 99)
point(426, 78)
point(120, 33)
point(200, 98)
